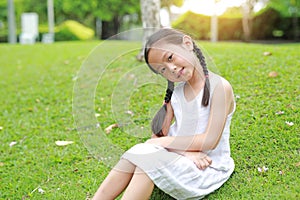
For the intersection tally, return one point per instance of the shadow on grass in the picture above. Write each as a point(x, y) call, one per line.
point(159, 194)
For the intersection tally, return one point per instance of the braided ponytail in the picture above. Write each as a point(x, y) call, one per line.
point(206, 93)
point(158, 120)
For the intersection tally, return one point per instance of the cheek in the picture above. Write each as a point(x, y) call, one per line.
point(186, 61)
point(170, 76)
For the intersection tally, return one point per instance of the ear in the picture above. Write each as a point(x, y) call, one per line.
point(187, 42)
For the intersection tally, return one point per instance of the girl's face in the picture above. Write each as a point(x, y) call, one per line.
point(174, 62)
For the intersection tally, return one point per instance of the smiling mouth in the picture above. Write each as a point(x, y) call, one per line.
point(180, 72)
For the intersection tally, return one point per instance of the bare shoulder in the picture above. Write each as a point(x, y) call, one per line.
point(220, 83)
point(227, 86)
point(222, 91)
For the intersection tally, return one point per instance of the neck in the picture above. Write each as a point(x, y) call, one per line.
point(198, 79)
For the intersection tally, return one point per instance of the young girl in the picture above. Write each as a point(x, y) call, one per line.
point(190, 158)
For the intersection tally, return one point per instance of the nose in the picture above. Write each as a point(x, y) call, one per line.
point(172, 68)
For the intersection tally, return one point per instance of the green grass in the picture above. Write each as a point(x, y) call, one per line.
point(36, 89)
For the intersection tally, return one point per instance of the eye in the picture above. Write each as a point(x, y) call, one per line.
point(162, 70)
point(170, 58)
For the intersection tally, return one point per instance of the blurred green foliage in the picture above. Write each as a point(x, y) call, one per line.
point(266, 24)
point(275, 21)
point(85, 12)
point(73, 30)
point(195, 24)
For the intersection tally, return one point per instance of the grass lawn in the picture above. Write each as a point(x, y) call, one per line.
point(36, 93)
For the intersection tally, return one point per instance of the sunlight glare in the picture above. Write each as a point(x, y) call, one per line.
point(207, 7)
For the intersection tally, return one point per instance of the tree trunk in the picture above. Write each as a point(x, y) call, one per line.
point(150, 19)
point(12, 38)
point(246, 28)
point(214, 28)
point(246, 21)
point(50, 13)
point(214, 24)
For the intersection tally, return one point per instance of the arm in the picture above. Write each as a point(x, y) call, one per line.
point(221, 106)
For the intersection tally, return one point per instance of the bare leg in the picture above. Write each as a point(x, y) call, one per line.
point(140, 187)
point(116, 181)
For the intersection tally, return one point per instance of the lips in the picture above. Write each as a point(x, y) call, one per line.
point(180, 72)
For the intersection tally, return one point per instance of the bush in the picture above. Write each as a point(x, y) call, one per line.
point(73, 30)
point(199, 26)
point(230, 28)
point(264, 24)
point(287, 27)
point(3, 37)
point(196, 25)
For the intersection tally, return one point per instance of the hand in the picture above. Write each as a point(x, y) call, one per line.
point(201, 160)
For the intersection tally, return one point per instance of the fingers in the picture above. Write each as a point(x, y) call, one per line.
point(208, 160)
point(203, 163)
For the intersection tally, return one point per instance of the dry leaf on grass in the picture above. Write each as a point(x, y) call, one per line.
point(289, 123)
point(40, 190)
point(273, 74)
point(263, 169)
point(279, 112)
point(129, 112)
point(109, 128)
point(266, 53)
point(13, 143)
point(63, 143)
point(281, 172)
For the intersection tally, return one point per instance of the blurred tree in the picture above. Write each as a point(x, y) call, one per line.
point(248, 11)
point(214, 24)
point(110, 12)
point(3, 9)
point(39, 7)
point(50, 13)
point(151, 21)
point(168, 3)
point(19, 7)
point(288, 8)
point(150, 10)
point(232, 12)
point(11, 22)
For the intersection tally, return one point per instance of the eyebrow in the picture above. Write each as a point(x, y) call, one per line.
point(164, 55)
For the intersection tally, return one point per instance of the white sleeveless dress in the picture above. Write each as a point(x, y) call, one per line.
point(175, 174)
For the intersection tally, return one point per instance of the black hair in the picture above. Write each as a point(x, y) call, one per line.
point(206, 89)
point(174, 37)
point(158, 120)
